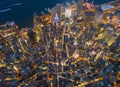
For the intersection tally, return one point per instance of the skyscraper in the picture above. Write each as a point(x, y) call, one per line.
point(57, 10)
point(79, 6)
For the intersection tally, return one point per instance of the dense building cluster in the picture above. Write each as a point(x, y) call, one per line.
point(75, 45)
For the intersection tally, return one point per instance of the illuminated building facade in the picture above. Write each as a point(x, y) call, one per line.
point(79, 6)
point(57, 10)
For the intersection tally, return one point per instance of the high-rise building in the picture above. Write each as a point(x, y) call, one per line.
point(79, 6)
point(53, 12)
point(57, 10)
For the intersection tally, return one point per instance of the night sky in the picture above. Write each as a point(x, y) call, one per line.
point(23, 14)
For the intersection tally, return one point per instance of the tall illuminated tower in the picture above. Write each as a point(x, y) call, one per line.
point(79, 6)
